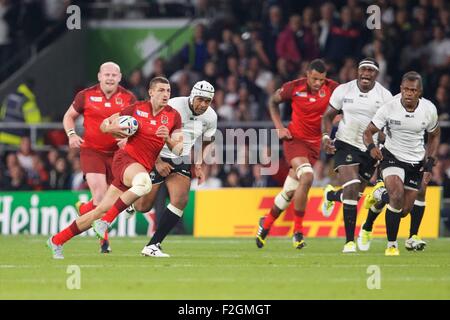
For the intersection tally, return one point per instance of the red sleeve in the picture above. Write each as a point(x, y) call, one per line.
point(332, 85)
point(176, 122)
point(78, 102)
point(286, 91)
point(128, 111)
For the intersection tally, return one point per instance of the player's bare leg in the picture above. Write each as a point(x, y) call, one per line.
point(305, 176)
point(282, 201)
point(351, 183)
point(82, 223)
point(178, 187)
point(97, 185)
point(137, 178)
point(145, 203)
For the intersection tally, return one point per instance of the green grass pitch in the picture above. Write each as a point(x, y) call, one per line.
point(223, 269)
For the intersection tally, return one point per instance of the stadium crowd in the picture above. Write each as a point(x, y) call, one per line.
point(251, 51)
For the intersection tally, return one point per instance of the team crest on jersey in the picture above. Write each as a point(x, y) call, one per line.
point(322, 93)
point(164, 119)
point(96, 99)
point(119, 101)
point(142, 113)
point(301, 94)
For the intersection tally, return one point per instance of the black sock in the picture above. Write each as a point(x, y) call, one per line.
point(371, 217)
point(335, 195)
point(350, 221)
point(392, 224)
point(168, 221)
point(416, 219)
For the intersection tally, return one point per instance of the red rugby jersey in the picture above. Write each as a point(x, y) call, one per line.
point(95, 107)
point(307, 108)
point(144, 146)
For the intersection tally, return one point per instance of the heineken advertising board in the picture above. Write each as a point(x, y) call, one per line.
point(45, 213)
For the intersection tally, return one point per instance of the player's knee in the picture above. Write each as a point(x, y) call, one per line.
point(307, 179)
point(396, 195)
point(351, 191)
point(283, 199)
point(141, 184)
point(180, 202)
point(304, 170)
point(141, 205)
point(421, 195)
point(98, 190)
point(406, 211)
point(396, 198)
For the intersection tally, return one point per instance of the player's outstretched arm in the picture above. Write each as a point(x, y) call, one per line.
point(374, 151)
point(274, 101)
point(69, 126)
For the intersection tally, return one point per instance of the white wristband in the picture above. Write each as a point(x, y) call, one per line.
point(70, 132)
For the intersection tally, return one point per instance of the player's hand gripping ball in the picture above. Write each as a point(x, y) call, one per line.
point(130, 125)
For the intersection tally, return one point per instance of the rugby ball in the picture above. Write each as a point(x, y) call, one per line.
point(128, 121)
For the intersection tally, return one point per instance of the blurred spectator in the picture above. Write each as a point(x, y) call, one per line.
point(137, 85)
point(25, 154)
point(158, 70)
point(344, 39)
point(271, 30)
point(52, 156)
point(309, 45)
point(55, 10)
point(18, 181)
point(38, 177)
point(19, 106)
point(195, 52)
point(76, 180)
point(232, 179)
point(327, 20)
point(288, 43)
point(247, 109)
point(442, 103)
point(259, 180)
point(225, 112)
point(413, 54)
point(59, 175)
point(211, 182)
point(5, 31)
point(11, 161)
point(439, 49)
point(227, 46)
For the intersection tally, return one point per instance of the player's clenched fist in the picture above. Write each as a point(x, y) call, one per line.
point(75, 141)
point(163, 132)
point(284, 134)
